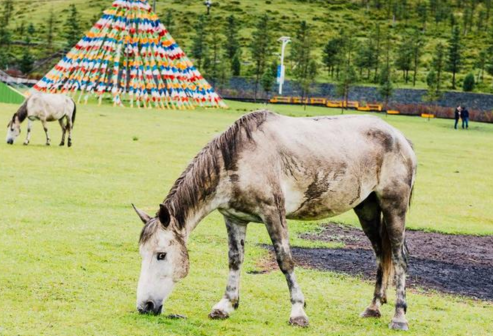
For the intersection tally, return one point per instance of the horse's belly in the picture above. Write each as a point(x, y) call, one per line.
point(329, 199)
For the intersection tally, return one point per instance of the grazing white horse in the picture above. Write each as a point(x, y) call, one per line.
point(45, 108)
point(268, 168)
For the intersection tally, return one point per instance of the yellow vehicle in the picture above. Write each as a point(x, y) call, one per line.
point(282, 100)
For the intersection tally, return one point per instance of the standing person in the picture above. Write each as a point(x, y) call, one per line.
point(457, 115)
point(464, 114)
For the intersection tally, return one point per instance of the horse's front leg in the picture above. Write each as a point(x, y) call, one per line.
point(28, 136)
point(64, 131)
point(70, 126)
point(275, 221)
point(45, 127)
point(231, 299)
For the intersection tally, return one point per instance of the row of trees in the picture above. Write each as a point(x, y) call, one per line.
point(29, 37)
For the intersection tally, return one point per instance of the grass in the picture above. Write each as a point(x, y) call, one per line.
point(69, 255)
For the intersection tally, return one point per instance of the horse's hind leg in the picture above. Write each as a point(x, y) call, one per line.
point(231, 299)
point(45, 127)
point(394, 202)
point(369, 214)
point(64, 131)
point(70, 126)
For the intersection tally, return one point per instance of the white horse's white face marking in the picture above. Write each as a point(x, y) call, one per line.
point(13, 131)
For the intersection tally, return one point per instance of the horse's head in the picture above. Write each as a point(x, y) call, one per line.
point(164, 260)
point(13, 129)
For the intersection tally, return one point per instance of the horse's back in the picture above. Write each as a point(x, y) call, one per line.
point(324, 166)
point(50, 106)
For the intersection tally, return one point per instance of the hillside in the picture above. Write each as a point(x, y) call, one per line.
point(325, 17)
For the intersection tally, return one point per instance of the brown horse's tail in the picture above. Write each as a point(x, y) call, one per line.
point(73, 114)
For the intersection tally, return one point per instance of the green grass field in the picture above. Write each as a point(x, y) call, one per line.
point(69, 261)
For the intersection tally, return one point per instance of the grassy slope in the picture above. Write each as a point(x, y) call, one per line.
point(326, 18)
point(69, 261)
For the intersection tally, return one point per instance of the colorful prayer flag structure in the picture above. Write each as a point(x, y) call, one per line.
point(130, 56)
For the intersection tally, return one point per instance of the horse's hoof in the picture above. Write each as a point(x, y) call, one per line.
point(62, 144)
point(299, 321)
point(394, 325)
point(48, 144)
point(26, 143)
point(371, 313)
point(217, 314)
point(69, 144)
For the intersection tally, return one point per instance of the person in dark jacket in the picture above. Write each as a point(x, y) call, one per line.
point(457, 115)
point(464, 114)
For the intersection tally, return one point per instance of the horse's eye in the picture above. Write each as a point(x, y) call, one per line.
point(161, 256)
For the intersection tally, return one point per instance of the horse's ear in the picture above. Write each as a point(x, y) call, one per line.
point(164, 216)
point(142, 215)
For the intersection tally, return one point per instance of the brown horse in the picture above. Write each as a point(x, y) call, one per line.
point(267, 168)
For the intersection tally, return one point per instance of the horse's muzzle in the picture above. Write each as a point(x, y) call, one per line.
point(10, 141)
point(150, 308)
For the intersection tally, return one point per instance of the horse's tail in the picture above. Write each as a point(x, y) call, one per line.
point(74, 112)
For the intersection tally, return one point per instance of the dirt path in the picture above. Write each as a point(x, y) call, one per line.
point(454, 264)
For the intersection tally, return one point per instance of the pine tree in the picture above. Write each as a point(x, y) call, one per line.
point(232, 44)
point(469, 83)
point(267, 80)
point(417, 44)
point(404, 59)
point(199, 42)
point(50, 30)
point(169, 21)
point(331, 57)
point(454, 54)
point(302, 56)
point(27, 61)
point(348, 74)
point(8, 9)
point(261, 48)
point(72, 30)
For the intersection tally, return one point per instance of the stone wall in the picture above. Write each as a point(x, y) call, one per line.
point(244, 88)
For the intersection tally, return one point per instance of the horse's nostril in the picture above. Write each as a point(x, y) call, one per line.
point(149, 307)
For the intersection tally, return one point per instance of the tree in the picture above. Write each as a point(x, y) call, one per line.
point(199, 43)
point(50, 30)
point(27, 61)
point(454, 54)
point(481, 64)
point(8, 9)
point(404, 59)
point(72, 30)
point(438, 65)
point(331, 55)
point(169, 21)
point(348, 75)
point(417, 44)
point(236, 65)
point(215, 60)
point(304, 70)
point(422, 11)
point(267, 81)
point(232, 44)
point(432, 93)
point(260, 48)
point(469, 83)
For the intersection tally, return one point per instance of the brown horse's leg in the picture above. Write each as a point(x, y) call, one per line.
point(369, 214)
point(394, 202)
point(275, 221)
point(231, 299)
point(70, 126)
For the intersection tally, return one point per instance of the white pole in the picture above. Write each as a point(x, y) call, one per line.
point(285, 41)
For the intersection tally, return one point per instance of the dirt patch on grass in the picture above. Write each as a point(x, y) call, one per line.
point(455, 264)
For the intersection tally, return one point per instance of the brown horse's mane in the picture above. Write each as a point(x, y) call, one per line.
point(201, 177)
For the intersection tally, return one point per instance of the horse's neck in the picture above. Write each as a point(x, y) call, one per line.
point(193, 216)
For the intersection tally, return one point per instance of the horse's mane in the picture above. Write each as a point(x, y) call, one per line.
point(202, 175)
point(21, 112)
